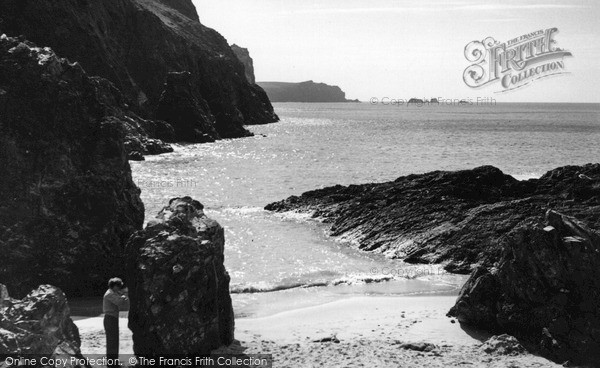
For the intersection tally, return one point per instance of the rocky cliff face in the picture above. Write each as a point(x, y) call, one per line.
point(545, 290)
point(38, 325)
point(136, 43)
point(456, 218)
point(244, 56)
point(69, 203)
point(179, 288)
point(181, 105)
point(303, 92)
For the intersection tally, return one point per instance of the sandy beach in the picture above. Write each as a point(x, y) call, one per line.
point(371, 333)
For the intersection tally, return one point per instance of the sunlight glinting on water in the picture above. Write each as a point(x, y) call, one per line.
point(317, 145)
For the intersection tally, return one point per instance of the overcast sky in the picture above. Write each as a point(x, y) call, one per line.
point(401, 49)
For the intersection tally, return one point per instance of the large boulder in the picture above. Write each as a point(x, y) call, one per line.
point(545, 290)
point(179, 288)
point(38, 325)
point(68, 202)
point(136, 43)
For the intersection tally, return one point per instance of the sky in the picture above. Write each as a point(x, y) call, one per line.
point(402, 49)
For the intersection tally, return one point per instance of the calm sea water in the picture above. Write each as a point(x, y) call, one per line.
point(273, 259)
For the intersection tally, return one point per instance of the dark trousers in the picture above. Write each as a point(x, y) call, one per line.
point(111, 327)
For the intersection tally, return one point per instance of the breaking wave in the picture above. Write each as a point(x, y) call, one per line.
point(266, 287)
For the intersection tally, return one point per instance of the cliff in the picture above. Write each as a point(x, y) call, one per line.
point(544, 290)
point(308, 91)
point(179, 288)
point(136, 43)
point(244, 56)
point(457, 218)
point(68, 203)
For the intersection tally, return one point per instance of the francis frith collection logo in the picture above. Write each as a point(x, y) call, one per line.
point(516, 62)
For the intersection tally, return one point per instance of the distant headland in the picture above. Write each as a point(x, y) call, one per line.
point(308, 91)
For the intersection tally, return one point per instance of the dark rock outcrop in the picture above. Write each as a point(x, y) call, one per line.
point(39, 325)
point(181, 105)
point(545, 290)
point(67, 203)
point(244, 56)
point(308, 91)
point(136, 43)
point(142, 136)
point(138, 136)
point(179, 288)
point(456, 218)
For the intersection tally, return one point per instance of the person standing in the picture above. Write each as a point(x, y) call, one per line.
point(115, 301)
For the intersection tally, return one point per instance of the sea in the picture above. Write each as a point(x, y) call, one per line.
point(279, 262)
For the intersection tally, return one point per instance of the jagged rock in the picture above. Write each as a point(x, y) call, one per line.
point(459, 219)
point(308, 91)
point(142, 136)
point(186, 8)
point(38, 325)
point(502, 345)
point(333, 338)
point(159, 130)
point(135, 43)
point(244, 56)
point(181, 105)
point(137, 140)
point(545, 290)
point(69, 203)
point(482, 288)
point(135, 155)
point(418, 346)
point(179, 288)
